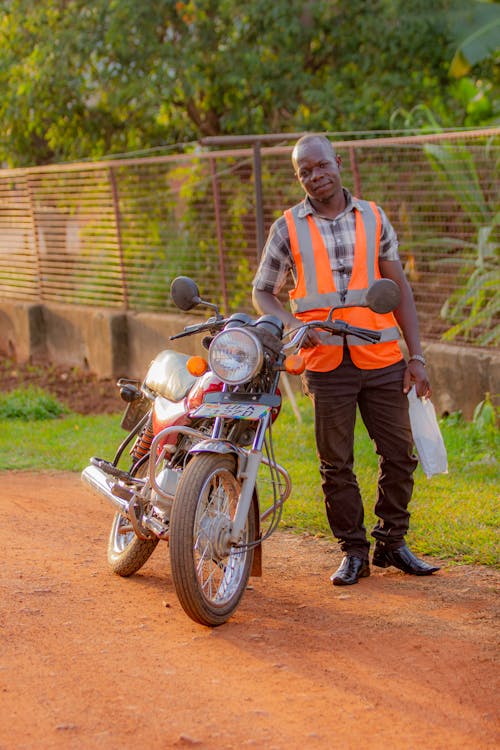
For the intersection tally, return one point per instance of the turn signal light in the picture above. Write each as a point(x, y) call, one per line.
point(197, 366)
point(294, 364)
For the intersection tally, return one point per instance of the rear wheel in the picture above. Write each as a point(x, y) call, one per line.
point(209, 577)
point(126, 552)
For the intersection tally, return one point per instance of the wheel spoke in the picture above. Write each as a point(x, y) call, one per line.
point(213, 573)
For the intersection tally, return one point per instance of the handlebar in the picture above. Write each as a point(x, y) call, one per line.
point(214, 324)
point(339, 327)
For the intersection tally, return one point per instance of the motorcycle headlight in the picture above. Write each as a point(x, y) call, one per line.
point(235, 356)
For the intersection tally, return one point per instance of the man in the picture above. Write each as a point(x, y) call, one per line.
point(332, 244)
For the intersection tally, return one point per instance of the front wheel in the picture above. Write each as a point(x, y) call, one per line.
point(209, 579)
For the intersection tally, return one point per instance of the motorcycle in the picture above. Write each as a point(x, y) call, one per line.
point(202, 473)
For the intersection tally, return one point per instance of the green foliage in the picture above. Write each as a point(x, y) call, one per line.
point(82, 79)
point(480, 100)
point(29, 403)
point(474, 308)
point(485, 420)
point(478, 28)
point(479, 440)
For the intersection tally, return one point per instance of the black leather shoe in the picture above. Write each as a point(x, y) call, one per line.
point(351, 569)
point(402, 559)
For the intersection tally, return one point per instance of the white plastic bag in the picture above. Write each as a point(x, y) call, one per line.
point(427, 435)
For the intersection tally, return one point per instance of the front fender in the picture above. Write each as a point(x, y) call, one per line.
point(223, 447)
point(211, 445)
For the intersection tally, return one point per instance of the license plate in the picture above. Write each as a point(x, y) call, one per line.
point(242, 410)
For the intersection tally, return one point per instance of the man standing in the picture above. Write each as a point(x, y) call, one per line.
point(332, 244)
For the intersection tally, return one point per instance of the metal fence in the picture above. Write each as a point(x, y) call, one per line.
point(115, 233)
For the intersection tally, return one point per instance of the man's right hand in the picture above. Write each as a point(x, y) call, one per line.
point(312, 338)
point(268, 304)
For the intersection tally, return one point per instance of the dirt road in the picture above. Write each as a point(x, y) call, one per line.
point(89, 660)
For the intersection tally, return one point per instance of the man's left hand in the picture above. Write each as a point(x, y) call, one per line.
point(416, 374)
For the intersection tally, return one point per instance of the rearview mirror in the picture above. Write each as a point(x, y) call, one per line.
point(184, 292)
point(383, 296)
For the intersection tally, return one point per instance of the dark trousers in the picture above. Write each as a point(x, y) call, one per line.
point(384, 409)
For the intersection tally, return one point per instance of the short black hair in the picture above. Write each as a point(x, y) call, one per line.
point(303, 140)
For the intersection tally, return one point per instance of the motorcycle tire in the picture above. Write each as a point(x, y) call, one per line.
point(126, 552)
point(209, 581)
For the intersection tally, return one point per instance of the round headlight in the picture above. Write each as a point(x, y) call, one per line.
point(235, 356)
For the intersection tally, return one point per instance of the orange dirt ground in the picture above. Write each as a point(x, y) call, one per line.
point(90, 660)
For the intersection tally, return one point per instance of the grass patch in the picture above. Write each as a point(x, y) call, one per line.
point(454, 516)
point(64, 444)
point(30, 403)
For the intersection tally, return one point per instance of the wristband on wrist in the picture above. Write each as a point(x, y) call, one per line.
point(417, 358)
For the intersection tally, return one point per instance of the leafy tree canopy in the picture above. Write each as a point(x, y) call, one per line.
point(85, 78)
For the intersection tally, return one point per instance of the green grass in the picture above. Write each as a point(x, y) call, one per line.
point(63, 444)
point(454, 516)
point(29, 403)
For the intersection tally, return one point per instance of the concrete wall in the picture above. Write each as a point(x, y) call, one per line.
point(113, 344)
point(106, 342)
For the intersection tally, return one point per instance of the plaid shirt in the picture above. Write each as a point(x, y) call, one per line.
point(339, 236)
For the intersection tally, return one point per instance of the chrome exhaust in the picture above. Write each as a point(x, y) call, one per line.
point(99, 482)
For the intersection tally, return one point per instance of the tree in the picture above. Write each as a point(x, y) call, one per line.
point(475, 62)
point(478, 29)
point(85, 78)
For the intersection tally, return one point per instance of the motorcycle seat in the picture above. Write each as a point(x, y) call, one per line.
point(168, 377)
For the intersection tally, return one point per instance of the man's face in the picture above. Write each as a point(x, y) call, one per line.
point(318, 169)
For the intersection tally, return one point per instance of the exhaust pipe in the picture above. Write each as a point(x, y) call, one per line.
point(97, 480)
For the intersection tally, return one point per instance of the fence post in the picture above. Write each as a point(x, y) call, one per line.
point(218, 226)
point(259, 212)
point(355, 172)
point(34, 230)
point(116, 208)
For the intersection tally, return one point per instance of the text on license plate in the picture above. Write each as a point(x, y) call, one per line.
point(232, 411)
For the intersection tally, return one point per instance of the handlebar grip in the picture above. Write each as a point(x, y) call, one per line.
point(180, 335)
point(346, 329)
point(189, 330)
point(364, 333)
point(210, 325)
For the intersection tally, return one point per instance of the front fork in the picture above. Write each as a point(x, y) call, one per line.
point(248, 469)
point(249, 476)
point(248, 466)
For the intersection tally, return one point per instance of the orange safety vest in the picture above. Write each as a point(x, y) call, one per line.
point(315, 292)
